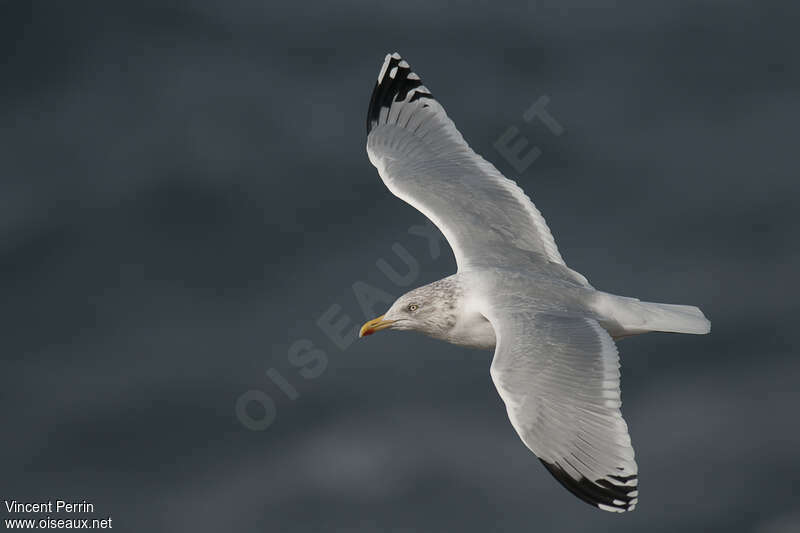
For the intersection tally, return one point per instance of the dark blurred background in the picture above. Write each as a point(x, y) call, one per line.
point(184, 193)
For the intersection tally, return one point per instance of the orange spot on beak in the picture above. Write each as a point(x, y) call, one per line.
point(376, 324)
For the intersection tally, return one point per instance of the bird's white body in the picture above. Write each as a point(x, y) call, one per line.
point(620, 316)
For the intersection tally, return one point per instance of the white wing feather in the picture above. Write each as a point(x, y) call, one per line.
point(423, 159)
point(559, 378)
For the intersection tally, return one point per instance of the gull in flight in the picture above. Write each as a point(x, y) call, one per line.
point(555, 362)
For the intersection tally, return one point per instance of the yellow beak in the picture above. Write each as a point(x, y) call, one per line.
point(376, 324)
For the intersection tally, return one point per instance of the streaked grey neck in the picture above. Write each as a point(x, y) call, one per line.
point(454, 322)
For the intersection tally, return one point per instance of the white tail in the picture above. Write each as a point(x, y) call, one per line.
point(622, 316)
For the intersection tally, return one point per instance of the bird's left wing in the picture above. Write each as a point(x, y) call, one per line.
point(423, 159)
point(559, 378)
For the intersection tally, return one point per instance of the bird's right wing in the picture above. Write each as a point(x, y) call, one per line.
point(423, 159)
point(559, 378)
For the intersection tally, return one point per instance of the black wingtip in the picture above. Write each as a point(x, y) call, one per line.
point(601, 493)
point(395, 81)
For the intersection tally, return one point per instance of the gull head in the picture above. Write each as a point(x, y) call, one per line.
point(430, 309)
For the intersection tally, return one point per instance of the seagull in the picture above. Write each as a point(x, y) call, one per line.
point(555, 363)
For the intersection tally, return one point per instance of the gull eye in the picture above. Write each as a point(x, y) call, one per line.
point(413, 307)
